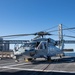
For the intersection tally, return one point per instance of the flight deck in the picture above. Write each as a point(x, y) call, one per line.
point(63, 66)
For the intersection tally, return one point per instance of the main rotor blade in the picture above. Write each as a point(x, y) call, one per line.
point(16, 35)
point(38, 33)
point(63, 29)
point(41, 33)
point(69, 36)
point(65, 35)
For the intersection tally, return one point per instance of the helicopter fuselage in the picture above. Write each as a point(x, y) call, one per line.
point(38, 49)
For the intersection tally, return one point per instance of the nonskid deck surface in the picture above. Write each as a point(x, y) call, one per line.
point(65, 65)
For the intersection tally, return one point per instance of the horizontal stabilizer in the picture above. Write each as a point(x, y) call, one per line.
point(68, 50)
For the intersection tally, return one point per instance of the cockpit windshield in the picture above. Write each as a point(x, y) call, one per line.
point(28, 45)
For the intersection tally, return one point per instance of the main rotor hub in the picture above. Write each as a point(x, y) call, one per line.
point(42, 33)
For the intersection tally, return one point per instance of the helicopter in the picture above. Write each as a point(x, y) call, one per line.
point(40, 47)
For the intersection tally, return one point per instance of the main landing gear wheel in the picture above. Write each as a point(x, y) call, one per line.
point(16, 60)
point(48, 58)
point(60, 56)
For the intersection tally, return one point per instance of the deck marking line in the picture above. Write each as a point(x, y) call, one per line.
point(15, 65)
point(36, 70)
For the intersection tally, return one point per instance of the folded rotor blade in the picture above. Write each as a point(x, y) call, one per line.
point(65, 35)
point(16, 35)
point(63, 29)
point(38, 33)
point(69, 36)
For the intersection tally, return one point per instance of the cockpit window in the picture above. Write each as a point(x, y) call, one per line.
point(42, 45)
point(28, 45)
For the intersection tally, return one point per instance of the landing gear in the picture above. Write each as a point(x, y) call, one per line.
point(14, 57)
point(60, 56)
point(16, 60)
point(29, 59)
point(48, 58)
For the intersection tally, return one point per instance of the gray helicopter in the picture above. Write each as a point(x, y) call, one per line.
point(40, 47)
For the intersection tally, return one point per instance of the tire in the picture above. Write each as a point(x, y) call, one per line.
point(48, 58)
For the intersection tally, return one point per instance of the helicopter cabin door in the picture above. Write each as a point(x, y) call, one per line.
point(42, 48)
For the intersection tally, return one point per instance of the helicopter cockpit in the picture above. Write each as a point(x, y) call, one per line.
point(28, 44)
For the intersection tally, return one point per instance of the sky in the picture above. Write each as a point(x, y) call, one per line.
point(30, 16)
